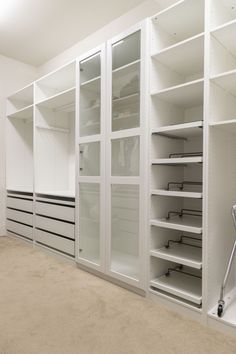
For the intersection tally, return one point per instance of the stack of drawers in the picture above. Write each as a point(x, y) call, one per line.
point(20, 214)
point(55, 223)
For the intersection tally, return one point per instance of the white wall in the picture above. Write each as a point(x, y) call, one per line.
point(13, 76)
point(147, 9)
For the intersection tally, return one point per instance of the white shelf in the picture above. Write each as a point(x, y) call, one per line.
point(185, 95)
point(178, 160)
point(23, 95)
point(181, 20)
point(59, 100)
point(227, 125)
point(185, 57)
point(178, 193)
point(185, 223)
point(229, 314)
point(179, 253)
point(133, 66)
point(69, 194)
point(226, 35)
point(226, 80)
point(93, 85)
point(24, 113)
point(184, 130)
point(181, 285)
point(132, 98)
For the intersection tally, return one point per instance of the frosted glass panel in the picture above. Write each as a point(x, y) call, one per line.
point(90, 96)
point(125, 156)
point(125, 229)
point(126, 51)
point(126, 83)
point(89, 222)
point(90, 159)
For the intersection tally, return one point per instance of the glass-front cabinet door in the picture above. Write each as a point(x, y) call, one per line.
point(125, 146)
point(90, 159)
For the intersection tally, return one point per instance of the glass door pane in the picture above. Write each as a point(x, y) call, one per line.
point(90, 159)
point(125, 229)
point(90, 95)
point(126, 83)
point(89, 222)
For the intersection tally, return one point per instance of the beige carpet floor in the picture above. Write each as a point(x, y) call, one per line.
point(48, 306)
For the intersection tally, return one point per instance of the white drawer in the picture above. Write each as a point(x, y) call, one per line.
point(20, 216)
point(58, 227)
point(20, 229)
point(56, 242)
point(21, 204)
point(55, 211)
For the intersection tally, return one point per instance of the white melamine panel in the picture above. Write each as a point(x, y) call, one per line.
point(185, 223)
point(177, 193)
point(55, 211)
point(20, 100)
point(24, 218)
point(56, 226)
point(19, 229)
point(177, 161)
point(222, 11)
point(184, 130)
point(55, 242)
point(20, 204)
point(24, 113)
point(61, 101)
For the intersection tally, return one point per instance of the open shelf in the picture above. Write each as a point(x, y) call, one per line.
point(229, 314)
point(63, 100)
point(222, 13)
point(183, 130)
point(181, 285)
point(24, 113)
point(187, 95)
point(227, 125)
point(178, 22)
point(20, 101)
point(185, 223)
point(59, 81)
point(177, 193)
point(226, 80)
point(180, 253)
point(177, 161)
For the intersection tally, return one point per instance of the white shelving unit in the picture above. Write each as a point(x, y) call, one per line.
point(177, 156)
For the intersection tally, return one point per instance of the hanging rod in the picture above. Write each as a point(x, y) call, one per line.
point(56, 129)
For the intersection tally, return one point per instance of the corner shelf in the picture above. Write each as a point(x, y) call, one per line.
point(185, 223)
point(184, 130)
point(24, 113)
point(181, 285)
point(183, 254)
point(186, 95)
point(177, 193)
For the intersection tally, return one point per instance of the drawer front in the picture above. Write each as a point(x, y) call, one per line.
point(20, 229)
point(21, 204)
point(55, 211)
point(56, 242)
point(20, 216)
point(58, 227)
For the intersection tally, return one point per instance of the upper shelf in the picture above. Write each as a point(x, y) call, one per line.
point(183, 130)
point(184, 57)
point(61, 80)
point(178, 22)
point(226, 125)
point(186, 95)
point(64, 101)
point(185, 223)
point(177, 160)
point(180, 253)
point(20, 100)
point(226, 81)
point(222, 12)
point(24, 113)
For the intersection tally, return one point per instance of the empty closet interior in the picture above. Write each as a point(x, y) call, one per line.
point(124, 159)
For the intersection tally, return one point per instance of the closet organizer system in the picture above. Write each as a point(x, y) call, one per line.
point(139, 136)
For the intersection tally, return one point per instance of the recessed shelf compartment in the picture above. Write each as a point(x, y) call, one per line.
point(180, 253)
point(185, 223)
point(177, 193)
point(181, 285)
point(186, 95)
point(183, 130)
point(178, 22)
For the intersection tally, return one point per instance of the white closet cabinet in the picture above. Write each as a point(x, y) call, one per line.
point(111, 152)
point(177, 153)
point(55, 160)
point(19, 163)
